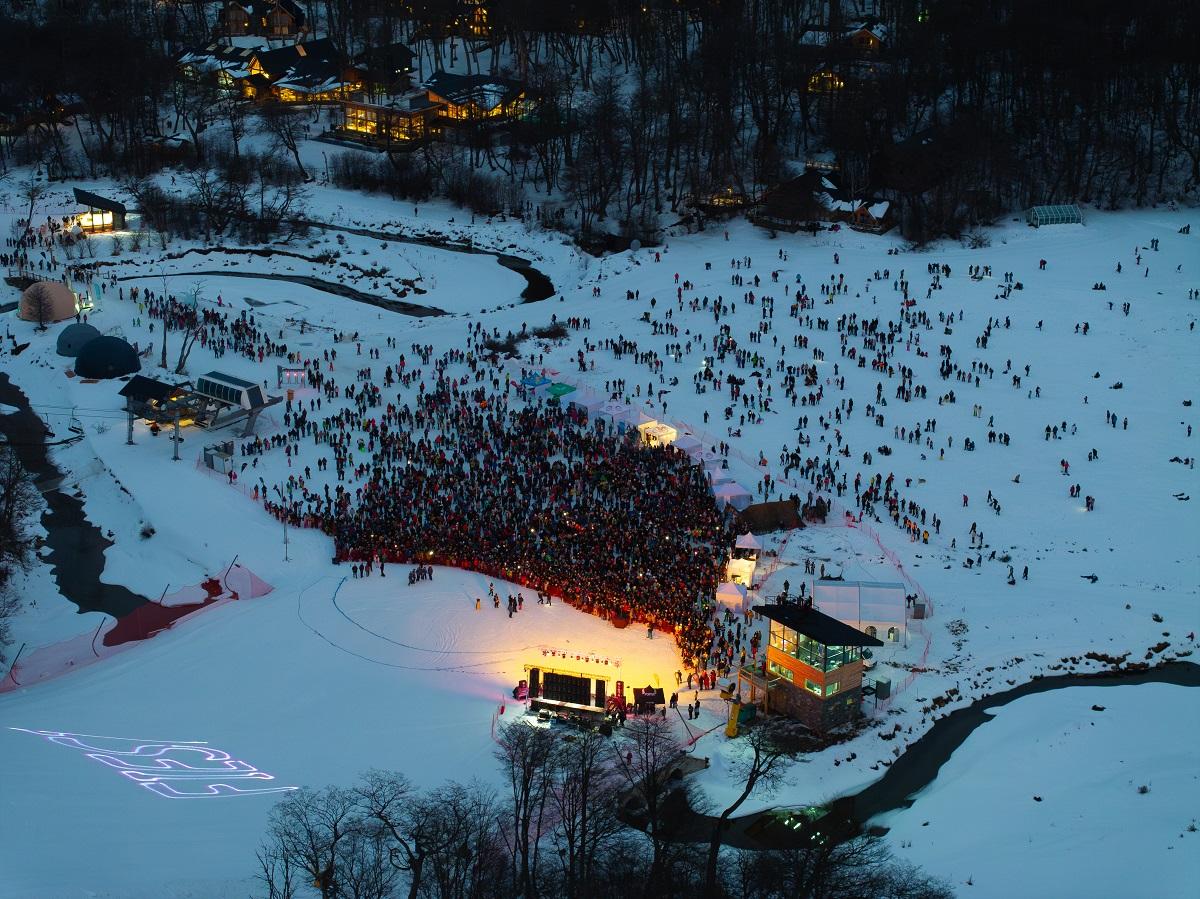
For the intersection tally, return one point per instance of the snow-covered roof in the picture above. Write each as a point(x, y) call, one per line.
point(218, 56)
point(306, 84)
point(485, 91)
point(836, 204)
point(873, 28)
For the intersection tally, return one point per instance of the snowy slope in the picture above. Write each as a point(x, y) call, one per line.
point(306, 688)
point(1090, 831)
point(253, 679)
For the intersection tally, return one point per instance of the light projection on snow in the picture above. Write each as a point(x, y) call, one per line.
point(174, 769)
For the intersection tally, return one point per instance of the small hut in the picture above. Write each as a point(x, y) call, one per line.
point(155, 400)
point(1054, 215)
point(103, 214)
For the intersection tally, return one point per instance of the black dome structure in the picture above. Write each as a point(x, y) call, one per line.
point(106, 357)
point(74, 337)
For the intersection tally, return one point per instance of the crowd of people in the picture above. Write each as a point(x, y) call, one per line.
point(535, 494)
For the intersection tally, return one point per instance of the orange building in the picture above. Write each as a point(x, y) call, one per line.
point(813, 670)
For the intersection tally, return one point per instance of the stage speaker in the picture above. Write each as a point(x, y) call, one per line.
point(600, 698)
point(535, 682)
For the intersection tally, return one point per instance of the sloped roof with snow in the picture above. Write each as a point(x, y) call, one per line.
point(485, 91)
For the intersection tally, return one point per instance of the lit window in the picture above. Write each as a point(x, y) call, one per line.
point(785, 673)
point(813, 687)
point(832, 688)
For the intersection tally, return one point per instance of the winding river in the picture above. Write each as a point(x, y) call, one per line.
point(76, 545)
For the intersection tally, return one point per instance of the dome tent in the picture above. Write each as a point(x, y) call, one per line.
point(106, 357)
point(47, 301)
point(74, 337)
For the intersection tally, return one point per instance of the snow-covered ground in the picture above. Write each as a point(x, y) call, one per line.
point(1046, 799)
point(305, 691)
point(311, 686)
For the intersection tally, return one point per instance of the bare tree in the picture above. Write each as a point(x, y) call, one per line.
point(219, 198)
point(235, 119)
point(584, 794)
point(192, 329)
point(861, 866)
point(155, 207)
point(195, 105)
point(18, 502)
point(471, 859)
point(651, 751)
point(286, 125)
point(767, 751)
point(310, 830)
point(162, 273)
point(364, 869)
point(40, 304)
point(413, 823)
point(526, 755)
point(275, 871)
point(31, 192)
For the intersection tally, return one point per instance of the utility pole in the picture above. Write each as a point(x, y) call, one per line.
point(283, 518)
point(129, 430)
point(175, 439)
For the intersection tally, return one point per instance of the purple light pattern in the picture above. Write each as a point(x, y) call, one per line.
point(174, 769)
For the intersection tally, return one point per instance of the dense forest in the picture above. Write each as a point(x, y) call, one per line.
point(968, 109)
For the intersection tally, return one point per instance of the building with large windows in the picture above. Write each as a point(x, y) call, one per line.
point(392, 121)
point(813, 669)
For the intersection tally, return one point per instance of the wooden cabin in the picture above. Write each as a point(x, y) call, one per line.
point(310, 72)
point(813, 670)
point(479, 98)
point(235, 18)
point(263, 18)
point(409, 120)
point(867, 38)
point(872, 215)
point(386, 70)
point(102, 213)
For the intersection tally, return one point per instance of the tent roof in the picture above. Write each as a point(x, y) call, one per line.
point(817, 625)
point(748, 541)
point(731, 488)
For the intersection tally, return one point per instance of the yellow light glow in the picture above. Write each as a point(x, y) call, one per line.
point(95, 221)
